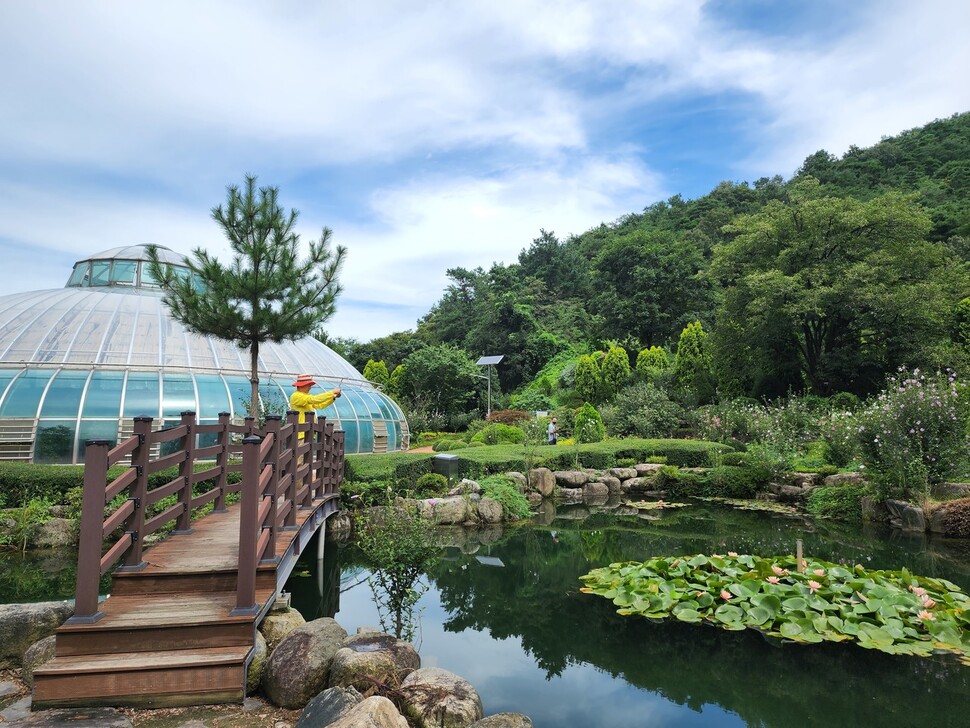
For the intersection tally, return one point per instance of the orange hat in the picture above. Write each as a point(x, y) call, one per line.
point(303, 380)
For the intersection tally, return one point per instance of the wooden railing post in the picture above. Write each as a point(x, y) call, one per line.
point(273, 428)
point(328, 458)
point(187, 471)
point(339, 439)
point(307, 445)
point(315, 459)
point(292, 467)
point(89, 543)
point(222, 460)
point(139, 490)
point(248, 528)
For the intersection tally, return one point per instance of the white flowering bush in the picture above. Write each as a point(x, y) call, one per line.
point(913, 433)
point(839, 430)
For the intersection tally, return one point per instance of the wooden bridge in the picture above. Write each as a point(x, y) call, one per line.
point(179, 626)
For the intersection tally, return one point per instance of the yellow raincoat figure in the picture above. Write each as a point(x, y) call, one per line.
point(302, 401)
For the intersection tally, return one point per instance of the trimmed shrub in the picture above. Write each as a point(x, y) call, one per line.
point(503, 489)
point(499, 434)
point(430, 484)
point(642, 410)
point(589, 425)
point(840, 502)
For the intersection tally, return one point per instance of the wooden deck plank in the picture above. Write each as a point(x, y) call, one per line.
point(76, 664)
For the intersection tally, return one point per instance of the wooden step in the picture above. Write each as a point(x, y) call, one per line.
point(140, 623)
point(156, 581)
point(156, 679)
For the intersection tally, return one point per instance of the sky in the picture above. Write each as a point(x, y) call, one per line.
point(431, 135)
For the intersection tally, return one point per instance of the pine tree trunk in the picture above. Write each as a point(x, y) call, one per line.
point(254, 381)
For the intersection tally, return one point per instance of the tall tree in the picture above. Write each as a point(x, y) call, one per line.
point(844, 289)
point(268, 293)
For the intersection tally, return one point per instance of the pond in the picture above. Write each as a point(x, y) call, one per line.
point(504, 611)
point(510, 618)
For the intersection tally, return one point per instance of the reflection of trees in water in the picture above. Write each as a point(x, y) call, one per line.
point(536, 599)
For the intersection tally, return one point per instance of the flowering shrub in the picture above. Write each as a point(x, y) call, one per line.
point(589, 425)
point(838, 431)
point(913, 432)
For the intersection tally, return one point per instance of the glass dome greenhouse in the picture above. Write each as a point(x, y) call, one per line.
point(80, 362)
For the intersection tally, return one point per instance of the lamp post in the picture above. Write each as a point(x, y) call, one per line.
point(488, 361)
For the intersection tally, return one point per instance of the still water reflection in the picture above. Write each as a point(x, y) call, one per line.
point(506, 613)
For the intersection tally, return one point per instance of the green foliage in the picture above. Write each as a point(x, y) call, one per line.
point(840, 502)
point(376, 372)
point(267, 293)
point(839, 432)
point(651, 363)
point(614, 371)
point(509, 417)
point(396, 382)
point(642, 410)
point(26, 518)
point(913, 433)
point(892, 611)
point(439, 380)
point(503, 489)
point(588, 378)
point(693, 365)
point(399, 546)
point(807, 285)
point(499, 434)
point(430, 484)
point(588, 426)
point(447, 444)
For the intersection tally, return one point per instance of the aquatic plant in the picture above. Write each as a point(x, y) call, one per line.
point(892, 611)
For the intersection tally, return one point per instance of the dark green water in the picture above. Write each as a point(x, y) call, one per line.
point(530, 642)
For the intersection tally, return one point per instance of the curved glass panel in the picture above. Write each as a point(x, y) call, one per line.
point(55, 441)
point(239, 389)
point(213, 396)
point(63, 398)
point(103, 398)
point(23, 396)
point(78, 275)
point(178, 394)
point(96, 430)
point(351, 439)
point(123, 272)
point(141, 395)
point(100, 273)
point(366, 442)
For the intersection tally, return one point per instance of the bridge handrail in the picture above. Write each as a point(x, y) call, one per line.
point(94, 560)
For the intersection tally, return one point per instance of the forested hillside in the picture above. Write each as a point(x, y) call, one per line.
point(820, 284)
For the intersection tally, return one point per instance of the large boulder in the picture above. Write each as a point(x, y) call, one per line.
point(543, 481)
point(299, 666)
point(504, 720)
point(441, 698)
point(329, 706)
point(490, 510)
point(254, 674)
point(55, 533)
point(906, 516)
point(612, 483)
point(596, 491)
point(623, 473)
point(374, 712)
point(370, 658)
point(571, 478)
point(647, 470)
point(844, 479)
point(449, 510)
point(638, 484)
point(278, 625)
point(21, 625)
point(35, 656)
point(521, 482)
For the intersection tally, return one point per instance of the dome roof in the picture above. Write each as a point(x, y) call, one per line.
point(131, 328)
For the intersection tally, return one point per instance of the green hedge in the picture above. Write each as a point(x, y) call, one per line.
point(22, 482)
point(839, 502)
point(405, 467)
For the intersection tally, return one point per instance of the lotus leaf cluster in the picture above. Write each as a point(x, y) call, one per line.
point(746, 504)
point(892, 611)
point(655, 505)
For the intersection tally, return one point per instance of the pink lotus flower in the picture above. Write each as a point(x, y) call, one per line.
point(733, 554)
point(773, 580)
point(725, 594)
point(918, 590)
point(814, 585)
point(778, 570)
point(927, 602)
point(927, 616)
point(819, 572)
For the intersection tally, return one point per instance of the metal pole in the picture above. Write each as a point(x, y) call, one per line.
point(488, 405)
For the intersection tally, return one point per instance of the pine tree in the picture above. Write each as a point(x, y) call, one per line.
point(376, 372)
point(267, 293)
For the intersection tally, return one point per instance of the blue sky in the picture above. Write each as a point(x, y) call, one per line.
point(430, 135)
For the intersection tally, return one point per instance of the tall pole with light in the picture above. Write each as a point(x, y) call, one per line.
point(488, 361)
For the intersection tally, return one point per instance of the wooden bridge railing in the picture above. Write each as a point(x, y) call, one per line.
point(284, 468)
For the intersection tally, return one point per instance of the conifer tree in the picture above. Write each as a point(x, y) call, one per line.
point(268, 293)
point(376, 372)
